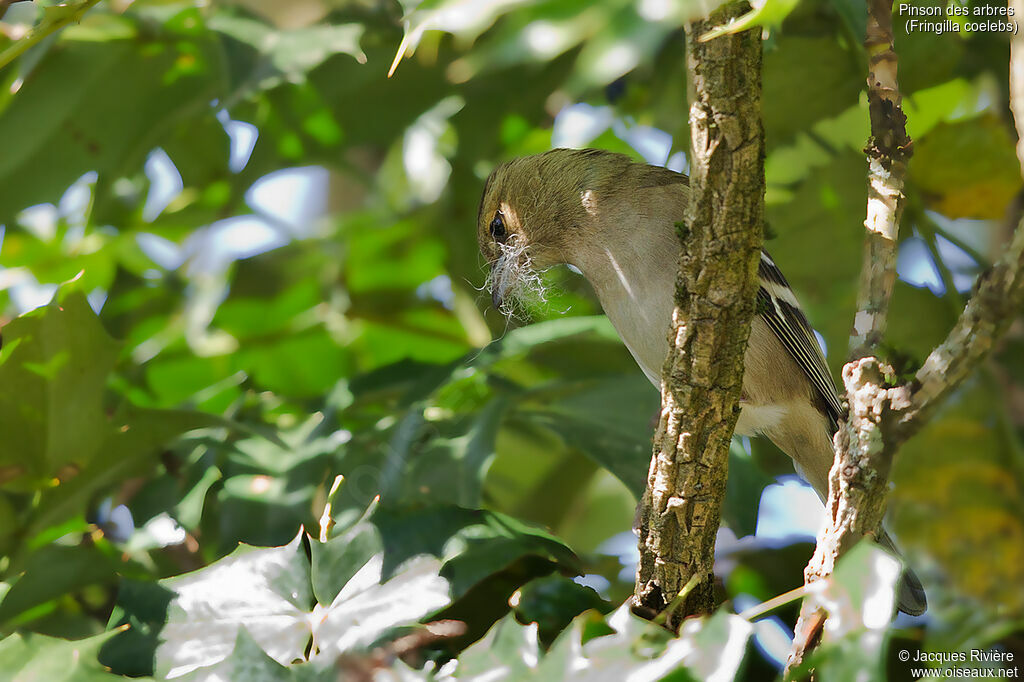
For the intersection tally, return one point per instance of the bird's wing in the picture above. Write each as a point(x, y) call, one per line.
point(779, 308)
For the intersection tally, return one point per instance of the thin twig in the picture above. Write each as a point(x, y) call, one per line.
point(774, 603)
point(54, 19)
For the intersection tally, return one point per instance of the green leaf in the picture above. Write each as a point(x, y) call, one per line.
point(553, 602)
point(97, 106)
point(860, 601)
point(967, 169)
point(958, 500)
point(609, 420)
point(142, 606)
point(466, 17)
point(53, 571)
point(820, 60)
point(291, 53)
point(473, 543)
point(247, 661)
point(266, 590)
point(619, 647)
point(132, 437)
point(369, 604)
point(333, 563)
point(854, 14)
point(447, 468)
point(33, 657)
point(300, 364)
point(508, 647)
point(268, 593)
point(269, 488)
point(767, 13)
point(54, 375)
point(526, 338)
point(743, 490)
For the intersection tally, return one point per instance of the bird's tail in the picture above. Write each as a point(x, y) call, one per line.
point(910, 596)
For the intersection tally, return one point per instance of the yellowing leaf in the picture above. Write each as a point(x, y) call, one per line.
point(967, 169)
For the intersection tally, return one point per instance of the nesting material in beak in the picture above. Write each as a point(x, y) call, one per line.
point(495, 293)
point(515, 285)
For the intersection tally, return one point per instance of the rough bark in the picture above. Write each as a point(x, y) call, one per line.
point(882, 415)
point(864, 450)
point(715, 293)
point(887, 152)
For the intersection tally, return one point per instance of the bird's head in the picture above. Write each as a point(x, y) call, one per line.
point(533, 213)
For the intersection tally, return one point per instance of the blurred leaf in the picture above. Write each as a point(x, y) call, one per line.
point(53, 571)
point(854, 14)
point(958, 498)
point(526, 338)
point(860, 600)
point(7, 522)
point(967, 169)
point(126, 451)
point(509, 651)
point(451, 468)
point(949, 102)
point(919, 320)
point(743, 490)
point(609, 420)
point(298, 365)
point(765, 569)
point(836, 80)
point(819, 242)
point(290, 54)
point(619, 647)
point(97, 106)
point(268, 488)
point(928, 58)
point(466, 17)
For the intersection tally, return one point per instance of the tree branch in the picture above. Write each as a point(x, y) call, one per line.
point(888, 151)
point(997, 298)
point(883, 416)
point(857, 481)
point(715, 293)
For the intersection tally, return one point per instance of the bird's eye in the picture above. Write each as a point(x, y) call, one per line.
point(498, 226)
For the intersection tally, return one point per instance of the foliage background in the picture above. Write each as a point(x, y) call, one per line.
point(262, 261)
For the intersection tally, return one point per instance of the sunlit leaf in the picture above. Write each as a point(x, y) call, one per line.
point(766, 13)
point(264, 590)
point(54, 369)
point(38, 657)
point(97, 106)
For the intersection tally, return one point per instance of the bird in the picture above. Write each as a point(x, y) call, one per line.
point(614, 220)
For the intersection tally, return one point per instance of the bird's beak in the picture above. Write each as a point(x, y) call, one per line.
point(496, 290)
